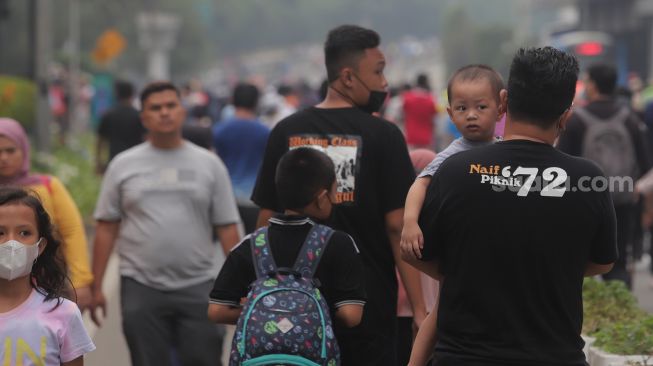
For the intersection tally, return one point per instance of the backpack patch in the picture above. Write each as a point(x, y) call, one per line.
point(285, 320)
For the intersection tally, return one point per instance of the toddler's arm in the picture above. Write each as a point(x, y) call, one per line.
point(425, 340)
point(412, 240)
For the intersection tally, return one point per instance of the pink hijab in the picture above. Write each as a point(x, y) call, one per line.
point(12, 130)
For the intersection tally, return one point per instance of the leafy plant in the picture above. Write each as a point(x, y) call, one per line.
point(634, 337)
point(73, 164)
point(607, 303)
point(18, 100)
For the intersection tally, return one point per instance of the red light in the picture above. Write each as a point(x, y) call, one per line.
point(589, 49)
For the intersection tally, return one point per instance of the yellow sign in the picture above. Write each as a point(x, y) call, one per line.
point(108, 46)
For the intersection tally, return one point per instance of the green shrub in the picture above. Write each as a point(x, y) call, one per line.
point(606, 303)
point(74, 166)
point(18, 100)
point(634, 337)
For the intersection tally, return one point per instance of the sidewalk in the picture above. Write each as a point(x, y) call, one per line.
point(643, 289)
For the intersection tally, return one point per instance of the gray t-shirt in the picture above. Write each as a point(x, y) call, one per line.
point(168, 202)
point(458, 145)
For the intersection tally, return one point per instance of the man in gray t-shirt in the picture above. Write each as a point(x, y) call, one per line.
point(161, 203)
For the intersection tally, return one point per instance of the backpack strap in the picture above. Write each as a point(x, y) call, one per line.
point(619, 117)
point(590, 119)
point(312, 250)
point(261, 255)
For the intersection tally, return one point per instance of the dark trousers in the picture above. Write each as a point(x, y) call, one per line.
point(359, 347)
point(625, 224)
point(404, 339)
point(154, 322)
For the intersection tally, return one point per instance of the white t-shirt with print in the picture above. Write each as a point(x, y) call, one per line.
point(37, 334)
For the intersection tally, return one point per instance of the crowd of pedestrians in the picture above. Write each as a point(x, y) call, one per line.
point(336, 253)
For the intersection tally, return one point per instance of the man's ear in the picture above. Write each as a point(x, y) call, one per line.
point(346, 77)
point(503, 103)
point(565, 118)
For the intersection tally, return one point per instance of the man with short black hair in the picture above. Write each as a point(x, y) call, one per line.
point(374, 174)
point(512, 253)
point(120, 128)
point(240, 143)
point(610, 134)
point(161, 203)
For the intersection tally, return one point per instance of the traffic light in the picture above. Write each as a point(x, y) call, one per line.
point(589, 48)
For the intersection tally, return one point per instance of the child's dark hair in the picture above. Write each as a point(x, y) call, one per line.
point(48, 274)
point(301, 174)
point(476, 72)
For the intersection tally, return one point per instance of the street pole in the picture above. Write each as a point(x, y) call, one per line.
point(77, 126)
point(42, 52)
point(157, 32)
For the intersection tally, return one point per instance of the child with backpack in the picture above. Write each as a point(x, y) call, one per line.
point(286, 318)
point(37, 325)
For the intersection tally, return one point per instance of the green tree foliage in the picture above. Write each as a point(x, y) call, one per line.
point(17, 100)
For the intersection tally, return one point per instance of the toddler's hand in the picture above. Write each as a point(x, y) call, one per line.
point(412, 241)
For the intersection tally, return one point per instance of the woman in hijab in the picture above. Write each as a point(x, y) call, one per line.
point(15, 171)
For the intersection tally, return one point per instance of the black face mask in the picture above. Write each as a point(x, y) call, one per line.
point(375, 101)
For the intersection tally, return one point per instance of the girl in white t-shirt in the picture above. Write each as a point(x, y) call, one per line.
point(37, 326)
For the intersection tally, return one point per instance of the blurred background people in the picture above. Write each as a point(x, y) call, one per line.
point(240, 142)
point(120, 127)
point(419, 114)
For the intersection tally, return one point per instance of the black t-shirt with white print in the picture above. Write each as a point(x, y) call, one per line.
point(339, 272)
point(374, 173)
point(513, 256)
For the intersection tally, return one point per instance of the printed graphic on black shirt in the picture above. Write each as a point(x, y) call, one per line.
point(521, 180)
point(345, 151)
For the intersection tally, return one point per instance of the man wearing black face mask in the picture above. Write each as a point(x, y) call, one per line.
point(374, 174)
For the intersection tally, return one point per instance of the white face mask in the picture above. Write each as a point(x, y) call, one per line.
point(17, 259)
